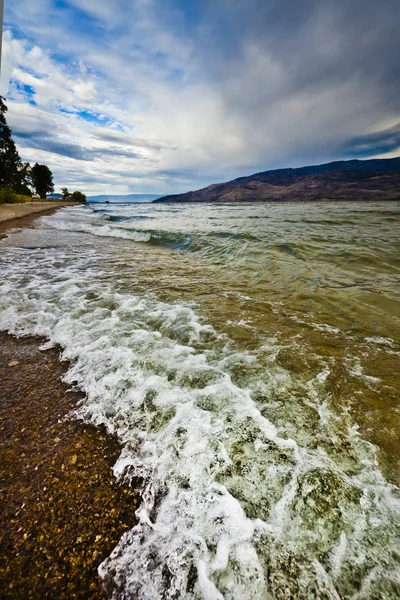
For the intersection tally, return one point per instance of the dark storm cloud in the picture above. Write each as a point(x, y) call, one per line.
point(315, 47)
point(116, 151)
point(125, 140)
point(42, 141)
point(315, 43)
point(379, 142)
point(352, 30)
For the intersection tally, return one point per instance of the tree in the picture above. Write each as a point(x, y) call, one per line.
point(78, 197)
point(22, 189)
point(24, 179)
point(65, 193)
point(42, 180)
point(10, 160)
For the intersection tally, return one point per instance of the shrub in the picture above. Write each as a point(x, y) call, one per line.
point(78, 197)
point(23, 199)
point(8, 196)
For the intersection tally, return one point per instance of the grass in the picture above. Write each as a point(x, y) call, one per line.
point(8, 196)
point(30, 199)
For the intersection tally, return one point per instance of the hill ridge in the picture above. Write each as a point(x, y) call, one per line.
point(374, 179)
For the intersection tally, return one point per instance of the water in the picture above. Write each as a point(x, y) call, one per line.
point(248, 359)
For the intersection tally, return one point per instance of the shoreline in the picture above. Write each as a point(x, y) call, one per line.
point(14, 216)
point(62, 510)
point(13, 212)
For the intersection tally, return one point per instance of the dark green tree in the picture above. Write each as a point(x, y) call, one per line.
point(22, 189)
point(78, 197)
point(10, 160)
point(24, 179)
point(65, 193)
point(42, 180)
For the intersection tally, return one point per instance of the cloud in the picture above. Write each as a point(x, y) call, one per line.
point(379, 142)
point(172, 95)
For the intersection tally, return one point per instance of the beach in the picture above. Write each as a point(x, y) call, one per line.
point(62, 511)
point(10, 212)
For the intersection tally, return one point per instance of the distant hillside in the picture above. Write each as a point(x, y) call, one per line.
point(125, 198)
point(377, 179)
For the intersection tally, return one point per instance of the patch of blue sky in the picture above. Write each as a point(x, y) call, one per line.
point(93, 117)
point(192, 12)
point(90, 117)
point(63, 59)
point(16, 33)
point(162, 60)
point(178, 74)
point(119, 127)
point(80, 20)
point(62, 4)
point(26, 90)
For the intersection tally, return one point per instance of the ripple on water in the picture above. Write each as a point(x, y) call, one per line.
point(257, 482)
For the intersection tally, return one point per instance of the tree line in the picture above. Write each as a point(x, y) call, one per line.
point(20, 178)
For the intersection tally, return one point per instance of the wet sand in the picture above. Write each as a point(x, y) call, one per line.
point(18, 216)
point(61, 510)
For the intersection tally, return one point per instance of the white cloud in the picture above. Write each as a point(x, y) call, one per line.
point(131, 97)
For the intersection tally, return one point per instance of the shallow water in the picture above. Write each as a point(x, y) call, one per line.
point(248, 358)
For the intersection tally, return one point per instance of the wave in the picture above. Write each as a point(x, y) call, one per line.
point(253, 486)
point(210, 243)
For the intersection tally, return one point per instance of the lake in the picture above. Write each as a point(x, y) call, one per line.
point(247, 356)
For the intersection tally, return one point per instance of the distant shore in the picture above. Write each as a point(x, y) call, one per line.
point(61, 509)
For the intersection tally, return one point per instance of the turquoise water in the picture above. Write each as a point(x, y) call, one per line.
point(247, 356)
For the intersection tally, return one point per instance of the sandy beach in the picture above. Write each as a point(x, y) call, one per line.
point(10, 212)
point(62, 511)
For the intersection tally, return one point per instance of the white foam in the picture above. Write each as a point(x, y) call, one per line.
point(324, 327)
point(380, 341)
point(355, 369)
point(102, 230)
point(246, 491)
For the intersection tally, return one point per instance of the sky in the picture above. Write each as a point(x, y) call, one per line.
point(166, 96)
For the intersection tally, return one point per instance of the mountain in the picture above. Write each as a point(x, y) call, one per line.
point(127, 198)
point(377, 179)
